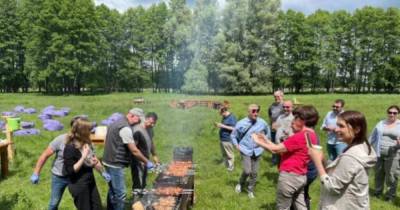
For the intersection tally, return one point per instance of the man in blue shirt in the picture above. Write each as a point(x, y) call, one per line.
point(335, 147)
point(225, 130)
point(249, 150)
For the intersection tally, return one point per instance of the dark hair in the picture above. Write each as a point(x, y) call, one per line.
point(223, 109)
point(393, 107)
point(357, 121)
point(77, 117)
point(341, 101)
point(152, 115)
point(308, 113)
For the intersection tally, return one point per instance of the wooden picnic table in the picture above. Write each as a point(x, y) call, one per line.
point(97, 139)
point(4, 158)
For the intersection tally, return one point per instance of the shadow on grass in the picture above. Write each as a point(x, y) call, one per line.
point(268, 206)
point(218, 161)
point(9, 201)
point(231, 182)
point(271, 176)
point(394, 202)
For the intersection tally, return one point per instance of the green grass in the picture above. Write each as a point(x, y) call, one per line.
point(214, 186)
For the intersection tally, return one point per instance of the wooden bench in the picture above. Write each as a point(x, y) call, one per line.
point(97, 139)
point(4, 158)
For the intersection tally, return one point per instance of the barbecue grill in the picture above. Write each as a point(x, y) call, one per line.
point(173, 188)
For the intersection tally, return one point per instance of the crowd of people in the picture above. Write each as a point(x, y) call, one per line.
point(295, 146)
point(290, 136)
point(128, 142)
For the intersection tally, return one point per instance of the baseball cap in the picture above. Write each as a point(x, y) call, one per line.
point(138, 112)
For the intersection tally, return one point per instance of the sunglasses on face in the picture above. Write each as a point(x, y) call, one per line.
point(255, 111)
point(393, 113)
point(286, 107)
point(335, 107)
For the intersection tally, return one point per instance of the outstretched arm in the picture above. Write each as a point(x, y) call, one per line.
point(262, 141)
point(42, 160)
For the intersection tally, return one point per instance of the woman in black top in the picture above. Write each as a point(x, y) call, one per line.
point(79, 161)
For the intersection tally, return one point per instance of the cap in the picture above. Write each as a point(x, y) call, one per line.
point(138, 112)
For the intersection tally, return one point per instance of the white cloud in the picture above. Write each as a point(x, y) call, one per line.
point(309, 6)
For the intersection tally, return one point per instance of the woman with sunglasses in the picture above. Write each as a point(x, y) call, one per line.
point(344, 182)
point(294, 158)
point(385, 139)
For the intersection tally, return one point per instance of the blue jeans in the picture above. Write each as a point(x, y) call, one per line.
point(334, 150)
point(58, 185)
point(117, 191)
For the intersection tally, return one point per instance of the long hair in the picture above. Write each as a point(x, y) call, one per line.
point(356, 121)
point(80, 132)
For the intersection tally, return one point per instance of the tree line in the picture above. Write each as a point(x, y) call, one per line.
point(247, 47)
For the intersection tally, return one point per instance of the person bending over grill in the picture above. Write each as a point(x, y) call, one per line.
point(143, 135)
point(249, 150)
point(118, 148)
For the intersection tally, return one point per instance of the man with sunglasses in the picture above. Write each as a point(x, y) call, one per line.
point(335, 147)
point(249, 150)
point(274, 111)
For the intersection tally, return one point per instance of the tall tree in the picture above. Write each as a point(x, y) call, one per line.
point(156, 39)
point(178, 55)
point(110, 49)
point(11, 47)
point(246, 42)
point(204, 30)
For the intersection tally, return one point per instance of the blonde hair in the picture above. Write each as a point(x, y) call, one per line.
point(80, 132)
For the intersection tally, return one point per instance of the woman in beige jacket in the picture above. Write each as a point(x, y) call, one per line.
point(344, 182)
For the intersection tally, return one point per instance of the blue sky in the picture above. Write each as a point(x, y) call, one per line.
point(305, 6)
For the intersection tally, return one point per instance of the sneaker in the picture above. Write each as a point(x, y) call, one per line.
point(238, 188)
point(251, 195)
point(230, 168)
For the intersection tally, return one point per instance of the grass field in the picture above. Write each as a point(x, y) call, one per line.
point(194, 127)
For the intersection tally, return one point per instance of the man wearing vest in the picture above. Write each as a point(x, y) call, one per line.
point(143, 135)
point(119, 146)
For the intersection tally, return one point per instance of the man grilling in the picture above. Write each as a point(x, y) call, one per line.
point(143, 135)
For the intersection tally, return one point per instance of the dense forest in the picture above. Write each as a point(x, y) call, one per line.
point(247, 47)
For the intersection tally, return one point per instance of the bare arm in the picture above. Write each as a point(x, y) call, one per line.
point(42, 160)
point(154, 154)
point(262, 141)
point(136, 152)
point(318, 158)
point(97, 165)
point(85, 152)
point(220, 125)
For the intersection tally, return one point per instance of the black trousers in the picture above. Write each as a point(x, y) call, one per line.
point(86, 196)
point(139, 175)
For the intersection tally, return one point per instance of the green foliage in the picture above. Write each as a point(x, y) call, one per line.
point(249, 46)
point(11, 47)
point(246, 45)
